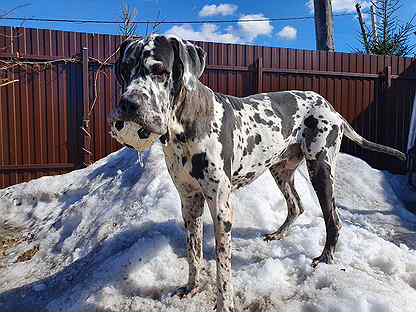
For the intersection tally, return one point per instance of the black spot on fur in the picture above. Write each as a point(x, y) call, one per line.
point(181, 137)
point(227, 226)
point(199, 165)
point(257, 139)
point(311, 122)
point(238, 170)
point(268, 112)
point(164, 139)
point(332, 136)
point(301, 95)
point(226, 137)
point(236, 103)
point(310, 132)
point(190, 130)
point(184, 159)
point(251, 142)
point(238, 122)
point(275, 128)
point(250, 175)
point(255, 105)
point(285, 106)
point(321, 154)
point(260, 120)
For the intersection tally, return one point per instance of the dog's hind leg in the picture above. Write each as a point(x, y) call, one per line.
point(323, 184)
point(321, 146)
point(283, 174)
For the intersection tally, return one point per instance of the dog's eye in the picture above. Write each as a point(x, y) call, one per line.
point(159, 69)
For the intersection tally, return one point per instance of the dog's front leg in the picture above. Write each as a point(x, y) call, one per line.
point(221, 214)
point(192, 209)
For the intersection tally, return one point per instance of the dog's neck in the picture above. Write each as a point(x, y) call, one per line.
point(192, 113)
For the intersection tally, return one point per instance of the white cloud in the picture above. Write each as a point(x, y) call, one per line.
point(342, 6)
point(251, 30)
point(208, 32)
point(223, 9)
point(243, 32)
point(288, 33)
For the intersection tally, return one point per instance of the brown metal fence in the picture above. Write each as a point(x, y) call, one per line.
point(42, 115)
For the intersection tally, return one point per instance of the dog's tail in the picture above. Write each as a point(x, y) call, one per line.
point(355, 137)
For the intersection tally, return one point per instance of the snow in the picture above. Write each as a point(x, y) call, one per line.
point(111, 238)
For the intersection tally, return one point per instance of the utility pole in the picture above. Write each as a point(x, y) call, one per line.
point(324, 26)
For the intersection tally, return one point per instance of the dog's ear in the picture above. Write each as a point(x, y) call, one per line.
point(189, 62)
point(121, 51)
point(121, 54)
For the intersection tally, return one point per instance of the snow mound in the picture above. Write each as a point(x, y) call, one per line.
point(110, 238)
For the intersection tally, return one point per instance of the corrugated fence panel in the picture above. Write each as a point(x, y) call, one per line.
point(35, 112)
point(42, 114)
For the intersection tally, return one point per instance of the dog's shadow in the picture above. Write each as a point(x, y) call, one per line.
point(36, 295)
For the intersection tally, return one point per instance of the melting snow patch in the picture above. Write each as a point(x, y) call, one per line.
point(110, 237)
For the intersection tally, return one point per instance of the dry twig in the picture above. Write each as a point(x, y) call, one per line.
point(7, 82)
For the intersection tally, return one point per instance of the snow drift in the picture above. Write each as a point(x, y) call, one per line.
point(110, 238)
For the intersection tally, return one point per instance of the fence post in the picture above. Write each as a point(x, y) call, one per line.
point(387, 76)
point(259, 75)
point(85, 127)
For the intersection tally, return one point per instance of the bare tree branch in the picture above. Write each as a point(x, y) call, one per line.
point(389, 36)
point(7, 13)
point(364, 34)
point(128, 15)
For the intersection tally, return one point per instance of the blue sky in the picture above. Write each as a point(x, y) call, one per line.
point(292, 34)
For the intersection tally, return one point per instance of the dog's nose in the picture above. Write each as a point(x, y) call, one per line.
point(128, 107)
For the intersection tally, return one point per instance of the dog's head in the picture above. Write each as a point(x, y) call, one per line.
point(153, 72)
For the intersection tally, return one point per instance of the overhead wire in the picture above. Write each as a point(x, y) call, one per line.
point(91, 21)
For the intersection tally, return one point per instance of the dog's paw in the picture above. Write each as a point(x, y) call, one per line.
point(273, 236)
point(186, 292)
point(326, 257)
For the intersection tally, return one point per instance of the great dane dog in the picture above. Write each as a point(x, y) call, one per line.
point(215, 143)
